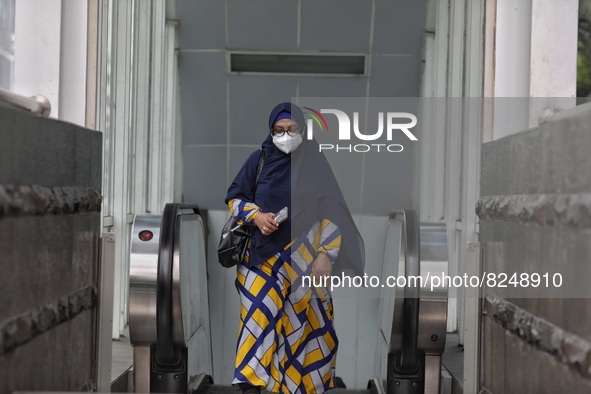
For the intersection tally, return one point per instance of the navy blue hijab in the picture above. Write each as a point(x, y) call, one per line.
point(304, 182)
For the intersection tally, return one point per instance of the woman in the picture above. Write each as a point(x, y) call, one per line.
point(287, 341)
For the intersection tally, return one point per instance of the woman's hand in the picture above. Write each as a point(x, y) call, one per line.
point(321, 266)
point(265, 222)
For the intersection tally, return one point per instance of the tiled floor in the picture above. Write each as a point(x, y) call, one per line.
point(122, 356)
point(453, 358)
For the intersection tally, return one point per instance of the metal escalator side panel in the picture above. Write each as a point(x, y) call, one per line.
point(164, 287)
point(433, 304)
point(183, 348)
point(178, 332)
point(434, 258)
point(403, 334)
point(168, 310)
point(388, 294)
point(191, 296)
point(409, 354)
point(189, 247)
point(169, 326)
point(189, 301)
point(432, 326)
point(143, 273)
point(418, 315)
point(387, 300)
point(399, 240)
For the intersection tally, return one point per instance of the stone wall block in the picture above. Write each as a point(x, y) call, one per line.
point(50, 203)
point(535, 217)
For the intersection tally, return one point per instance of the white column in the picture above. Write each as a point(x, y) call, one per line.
point(169, 119)
point(121, 133)
point(453, 152)
point(512, 48)
point(72, 82)
point(50, 54)
point(468, 329)
point(37, 49)
point(142, 97)
point(554, 31)
point(158, 137)
point(535, 57)
point(553, 66)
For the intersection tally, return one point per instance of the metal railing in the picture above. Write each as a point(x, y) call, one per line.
point(419, 317)
point(168, 301)
point(36, 104)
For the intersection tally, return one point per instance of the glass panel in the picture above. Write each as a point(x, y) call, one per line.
point(6, 43)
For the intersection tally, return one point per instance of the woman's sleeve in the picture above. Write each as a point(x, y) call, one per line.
point(329, 241)
point(244, 212)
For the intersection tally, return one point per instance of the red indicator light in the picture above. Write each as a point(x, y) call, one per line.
point(146, 235)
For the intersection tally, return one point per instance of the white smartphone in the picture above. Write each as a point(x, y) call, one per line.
point(282, 215)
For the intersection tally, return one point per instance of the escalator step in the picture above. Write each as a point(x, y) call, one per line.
point(226, 389)
point(217, 389)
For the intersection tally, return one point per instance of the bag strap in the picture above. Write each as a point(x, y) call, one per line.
point(259, 170)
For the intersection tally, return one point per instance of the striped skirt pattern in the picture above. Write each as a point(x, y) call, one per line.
point(286, 342)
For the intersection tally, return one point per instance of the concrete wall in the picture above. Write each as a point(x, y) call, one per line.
point(535, 216)
point(224, 115)
point(50, 199)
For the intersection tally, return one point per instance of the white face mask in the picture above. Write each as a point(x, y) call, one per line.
point(286, 143)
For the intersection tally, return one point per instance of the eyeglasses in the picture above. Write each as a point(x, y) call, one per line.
point(292, 131)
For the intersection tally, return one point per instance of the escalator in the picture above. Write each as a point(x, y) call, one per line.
point(169, 309)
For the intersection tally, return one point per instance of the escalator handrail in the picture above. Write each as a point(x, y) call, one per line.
point(164, 284)
point(409, 356)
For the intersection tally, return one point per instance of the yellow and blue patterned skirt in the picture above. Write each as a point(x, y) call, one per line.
point(287, 341)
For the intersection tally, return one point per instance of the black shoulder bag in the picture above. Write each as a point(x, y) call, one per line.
point(235, 237)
